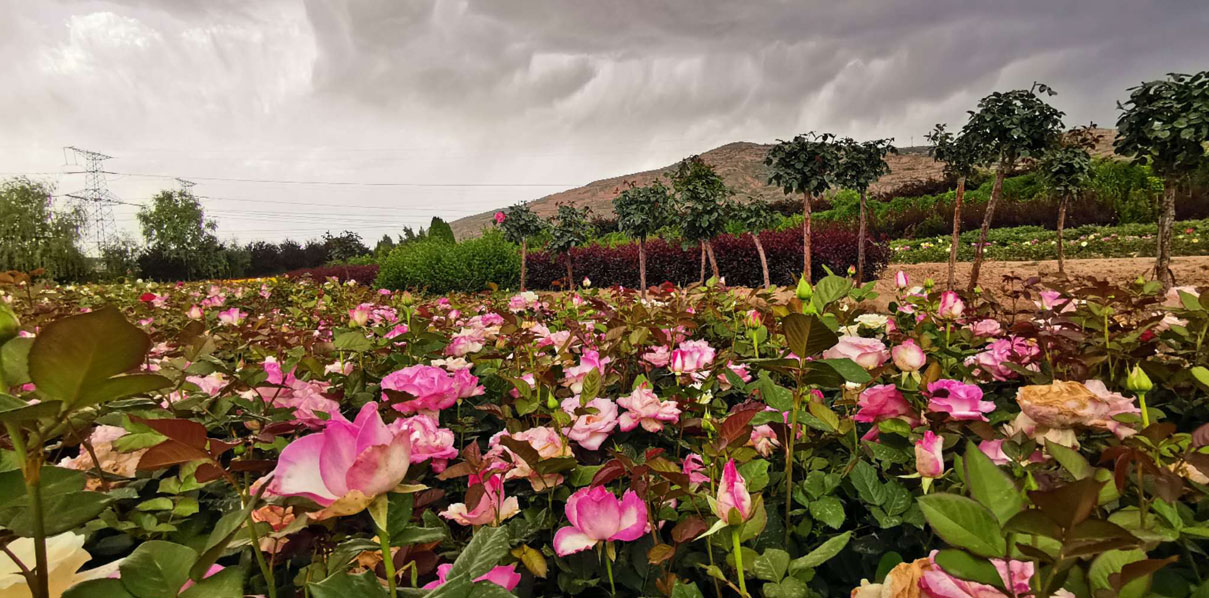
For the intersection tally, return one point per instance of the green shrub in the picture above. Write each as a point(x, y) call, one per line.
point(436, 266)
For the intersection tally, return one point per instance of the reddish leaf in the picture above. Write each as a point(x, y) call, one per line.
point(169, 453)
point(688, 529)
point(183, 431)
point(609, 472)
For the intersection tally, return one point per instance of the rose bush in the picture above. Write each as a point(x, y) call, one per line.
point(319, 438)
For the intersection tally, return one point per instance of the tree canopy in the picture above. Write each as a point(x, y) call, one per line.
point(1014, 124)
point(702, 195)
point(804, 164)
point(37, 236)
point(642, 211)
point(1165, 123)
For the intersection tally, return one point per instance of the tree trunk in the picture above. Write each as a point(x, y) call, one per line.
point(1162, 263)
point(763, 259)
point(806, 263)
point(1061, 225)
point(961, 195)
point(642, 265)
point(701, 280)
point(860, 241)
point(996, 191)
point(713, 261)
point(570, 278)
point(524, 247)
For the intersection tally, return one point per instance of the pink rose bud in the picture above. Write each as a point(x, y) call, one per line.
point(929, 461)
point(499, 217)
point(951, 306)
point(901, 280)
point(733, 497)
point(908, 357)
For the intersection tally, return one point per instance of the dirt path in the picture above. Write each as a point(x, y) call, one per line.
point(1192, 270)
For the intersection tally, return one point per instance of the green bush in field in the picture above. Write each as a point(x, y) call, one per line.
point(437, 266)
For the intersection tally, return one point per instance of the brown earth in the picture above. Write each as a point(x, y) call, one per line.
point(1190, 270)
point(741, 165)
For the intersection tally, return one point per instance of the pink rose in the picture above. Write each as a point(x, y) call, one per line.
point(733, 497)
point(645, 409)
point(429, 441)
point(908, 357)
point(433, 388)
point(868, 353)
point(929, 461)
point(960, 400)
point(493, 507)
point(504, 576)
point(691, 356)
point(590, 430)
point(882, 402)
point(985, 327)
point(951, 306)
point(597, 516)
point(548, 444)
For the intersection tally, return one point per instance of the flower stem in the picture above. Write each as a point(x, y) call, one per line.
point(1145, 415)
point(609, 569)
point(388, 561)
point(734, 536)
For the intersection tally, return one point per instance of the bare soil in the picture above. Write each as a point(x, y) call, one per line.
point(1190, 270)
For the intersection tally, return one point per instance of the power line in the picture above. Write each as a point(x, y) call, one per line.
point(345, 183)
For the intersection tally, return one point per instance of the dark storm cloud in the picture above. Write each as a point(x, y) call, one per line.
point(544, 91)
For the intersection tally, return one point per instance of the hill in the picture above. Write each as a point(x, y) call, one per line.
point(741, 165)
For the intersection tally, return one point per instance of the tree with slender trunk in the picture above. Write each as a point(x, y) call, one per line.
point(701, 200)
point(641, 212)
point(568, 229)
point(756, 216)
point(1065, 170)
point(961, 159)
point(520, 224)
point(1011, 126)
point(861, 163)
point(1166, 124)
point(806, 165)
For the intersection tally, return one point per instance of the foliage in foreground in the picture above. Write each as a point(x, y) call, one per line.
point(266, 437)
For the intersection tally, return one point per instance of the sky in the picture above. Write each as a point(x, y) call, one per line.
point(294, 117)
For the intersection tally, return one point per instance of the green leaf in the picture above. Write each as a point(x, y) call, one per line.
point(343, 585)
point(1201, 374)
point(220, 537)
point(157, 569)
point(756, 474)
point(14, 361)
point(806, 335)
point(990, 486)
point(1112, 562)
point(820, 555)
point(74, 358)
point(830, 289)
point(963, 523)
point(1070, 459)
point(772, 565)
point(98, 588)
point(14, 410)
point(63, 512)
point(865, 479)
point(227, 583)
point(486, 548)
point(684, 589)
point(591, 386)
point(352, 340)
point(790, 587)
point(849, 370)
point(965, 566)
point(829, 510)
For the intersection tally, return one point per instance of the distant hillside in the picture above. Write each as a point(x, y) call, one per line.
point(741, 165)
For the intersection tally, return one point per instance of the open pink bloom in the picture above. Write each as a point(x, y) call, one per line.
point(311, 406)
point(692, 467)
point(359, 316)
point(764, 440)
point(929, 460)
point(590, 360)
point(645, 409)
point(658, 356)
point(960, 400)
point(732, 495)
point(740, 370)
point(908, 357)
point(882, 402)
point(429, 441)
point(195, 313)
point(691, 356)
point(499, 219)
point(231, 317)
point(346, 465)
point(469, 340)
point(597, 516)
point(985, 327)
point(434, 389)
point(993, 449)
point(493, 507)
point(868, 353)
point(590, 430)
point(951, 306)
point(936, 583)
point(504, 576)
point(1054, 300)
point(998, 354)
point(548, 444)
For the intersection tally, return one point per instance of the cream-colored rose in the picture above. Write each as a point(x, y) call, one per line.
point(901, 582)
point(112, 461)
point(65, 555)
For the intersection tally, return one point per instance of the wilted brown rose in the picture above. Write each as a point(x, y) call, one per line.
point(901, 582)
point(1068, 404)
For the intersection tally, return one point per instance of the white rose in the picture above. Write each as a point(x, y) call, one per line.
point(65, 555)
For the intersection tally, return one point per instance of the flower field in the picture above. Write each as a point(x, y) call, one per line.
point(298, 438)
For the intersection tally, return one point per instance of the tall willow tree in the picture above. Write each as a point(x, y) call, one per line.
point(1011, 126)
point(961, 159)
point(35, 236)
point(1166, 124)
point(861, 163)
point(805, 164)
point(641, 212)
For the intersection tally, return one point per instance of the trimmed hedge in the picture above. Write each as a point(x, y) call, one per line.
point(738, 261)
